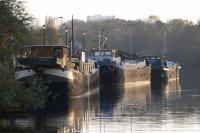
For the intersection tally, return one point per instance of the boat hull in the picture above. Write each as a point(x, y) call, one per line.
point(171, 74)
point(111, 77)
point(63, 83)
point(157, 75)
point(127, 76)
point(136, 76)
point(165, 74)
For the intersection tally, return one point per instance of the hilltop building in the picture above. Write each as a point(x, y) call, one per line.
point(99, 18)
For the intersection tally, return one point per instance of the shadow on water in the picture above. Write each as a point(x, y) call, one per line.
point(161, 107)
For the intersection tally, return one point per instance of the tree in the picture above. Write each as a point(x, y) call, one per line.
point(15, 23)
point(153, 19)
point(15, 97)
point(182, 38)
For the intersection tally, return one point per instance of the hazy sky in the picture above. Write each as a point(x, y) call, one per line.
point(125, 9)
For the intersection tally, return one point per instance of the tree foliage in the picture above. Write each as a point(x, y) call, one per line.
point(180, 37)
point(148, 37)
point(17, 97)
point(15, 23)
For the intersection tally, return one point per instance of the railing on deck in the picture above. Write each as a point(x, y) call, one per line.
point(86, 68)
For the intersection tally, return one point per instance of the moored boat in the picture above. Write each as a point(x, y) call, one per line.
point(162, 69)
point(128, 72)
point(135, 72)
point(108, 63)
point(53, 64)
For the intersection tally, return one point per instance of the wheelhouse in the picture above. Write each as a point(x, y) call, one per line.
point(42, 51)
point(45, 55)
point(103, 52)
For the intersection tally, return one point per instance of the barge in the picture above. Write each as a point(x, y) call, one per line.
point(52, 63)
point(108, 63)
point(135, 72)
point(114, 71)
point(162, 69)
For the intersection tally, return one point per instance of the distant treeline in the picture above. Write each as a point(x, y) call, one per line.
point(178, 40)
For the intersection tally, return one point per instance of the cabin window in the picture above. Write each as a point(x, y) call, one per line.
point(33, 52)
point(96, 53)
point(108, 53)
point(57, 52)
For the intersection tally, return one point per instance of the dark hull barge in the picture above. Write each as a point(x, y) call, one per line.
point(128, 73)
point(163, 70)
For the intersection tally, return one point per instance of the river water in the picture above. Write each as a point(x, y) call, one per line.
point(158, 108)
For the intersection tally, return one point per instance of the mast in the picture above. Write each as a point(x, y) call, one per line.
point(130, 25)
point(164, 44)
point(99, 42)
point(130, 40)
point(72, 48)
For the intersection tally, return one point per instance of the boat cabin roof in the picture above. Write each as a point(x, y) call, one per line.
point(45, 51)
point(103, 52)
point(113, 50)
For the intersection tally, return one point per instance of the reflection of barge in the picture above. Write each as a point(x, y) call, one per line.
point(53, 64)
point(163, 70)
point(172, 90)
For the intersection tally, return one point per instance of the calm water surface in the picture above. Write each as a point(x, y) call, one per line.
point(173, 107)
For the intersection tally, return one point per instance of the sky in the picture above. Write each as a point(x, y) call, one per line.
point(124, 9)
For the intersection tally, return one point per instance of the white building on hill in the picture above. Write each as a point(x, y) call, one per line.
point(99, 18)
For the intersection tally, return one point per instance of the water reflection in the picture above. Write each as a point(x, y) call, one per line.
point(72, 116)
point(172, 90)
point(80, 112)
point(164, 107)
point(128, 104)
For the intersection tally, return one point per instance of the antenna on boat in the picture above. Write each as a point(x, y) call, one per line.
point(104, 44)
